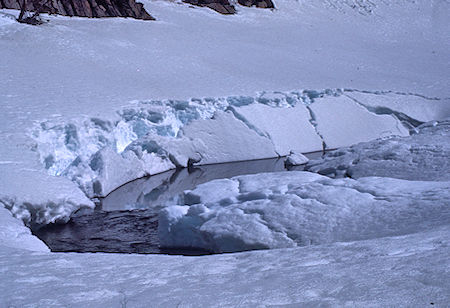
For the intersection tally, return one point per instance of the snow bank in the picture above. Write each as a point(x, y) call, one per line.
point(40, 198)
point(277, 210)
point(149, 137)
point(421, 156)
point(14, 234)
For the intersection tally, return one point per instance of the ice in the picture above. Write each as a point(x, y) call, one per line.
point(342, 122)
point(288, 128)
point(413, 105)
point(295, 159)
point(421, 156)
point(40, 198)
point(149, 137)
point(290, 209)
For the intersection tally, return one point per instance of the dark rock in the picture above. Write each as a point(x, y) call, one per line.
point(84, 8)
point(264, 4)
point(220, 6)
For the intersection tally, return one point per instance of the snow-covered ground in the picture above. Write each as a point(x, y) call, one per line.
point(405, 271)
point(102, 102)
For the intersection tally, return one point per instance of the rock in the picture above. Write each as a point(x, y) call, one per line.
point(220, 6)
point(85, 8)
point(265, 4)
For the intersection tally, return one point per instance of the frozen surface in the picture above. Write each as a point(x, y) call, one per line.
point(91, 88)
point(411, 270)
point(424, 155)
point(278, 210)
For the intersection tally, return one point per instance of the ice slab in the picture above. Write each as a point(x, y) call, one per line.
point(342, 122)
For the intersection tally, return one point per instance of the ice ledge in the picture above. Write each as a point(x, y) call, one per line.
point(149, 137)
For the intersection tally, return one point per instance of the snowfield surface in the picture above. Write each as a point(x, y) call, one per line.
point(87, 105)
point(425, 156)
point(405, 271)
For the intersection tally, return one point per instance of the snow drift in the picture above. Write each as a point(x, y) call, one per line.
point(289, 209)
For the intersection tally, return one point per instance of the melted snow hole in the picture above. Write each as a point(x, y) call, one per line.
point(126, 221)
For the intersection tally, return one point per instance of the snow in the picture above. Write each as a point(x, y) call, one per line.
point(14, 234)
point(104, 83)
point(290, 209)
point(421, 156)
point(87, 105)
point(410, 270)
point(40, 199)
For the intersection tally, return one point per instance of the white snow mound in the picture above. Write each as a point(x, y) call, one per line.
point(289, 209)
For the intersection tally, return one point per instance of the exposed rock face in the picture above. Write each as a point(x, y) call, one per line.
point(85, 8)
point(225, 7)
point(264, 4)
point(221, 6)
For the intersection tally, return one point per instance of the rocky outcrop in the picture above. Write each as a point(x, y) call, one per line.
point(225, 7)
point(220, 6)
point(84, 8)
point(264, 4)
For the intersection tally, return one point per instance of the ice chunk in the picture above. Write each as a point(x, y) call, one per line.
point(227, 139)
point(342, 122)
point(295, 159)
point(288, 128)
